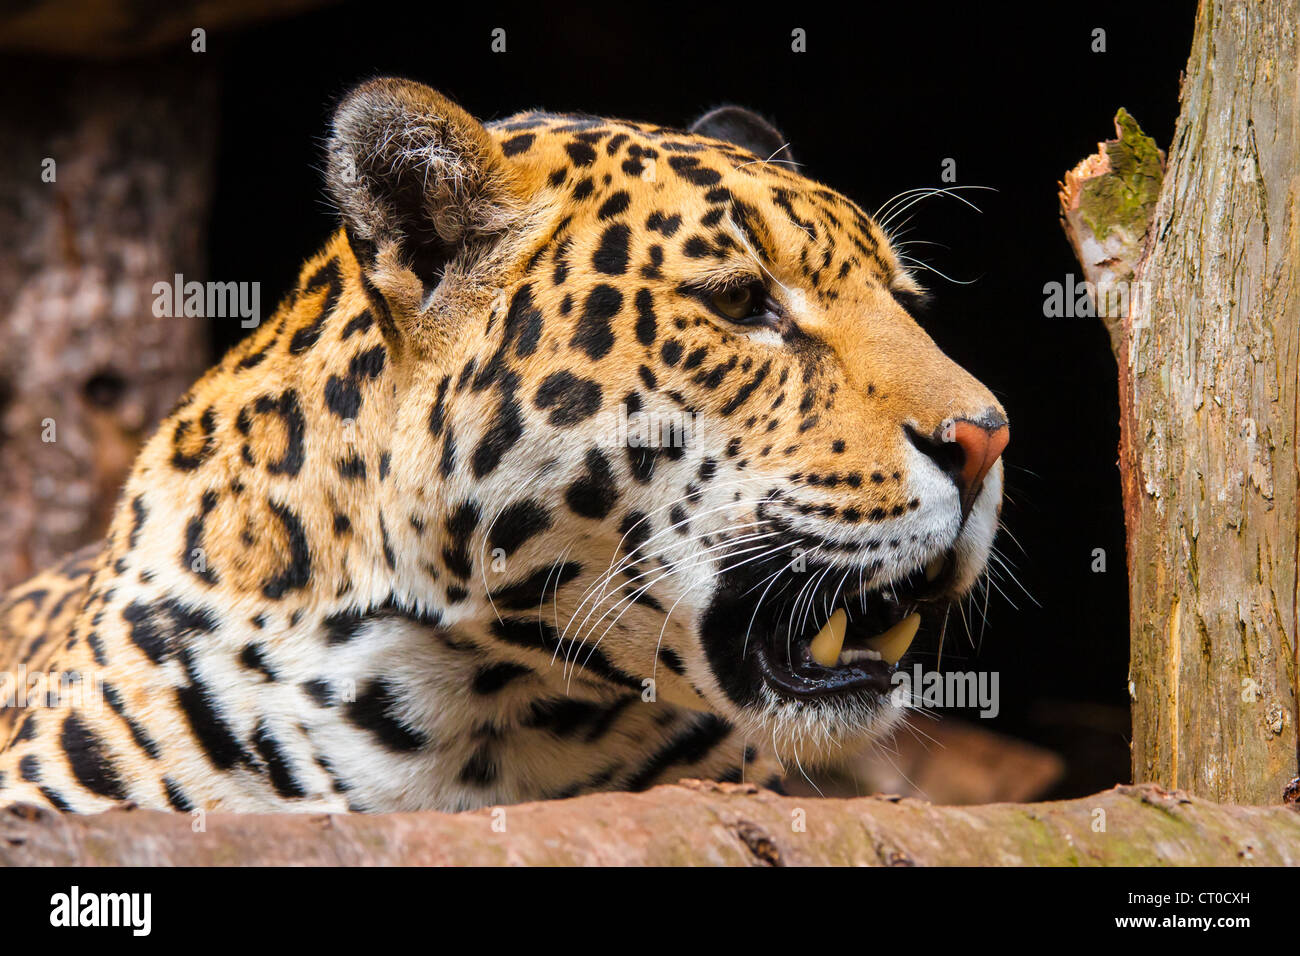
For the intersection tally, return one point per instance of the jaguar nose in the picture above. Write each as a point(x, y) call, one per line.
point(966, 449)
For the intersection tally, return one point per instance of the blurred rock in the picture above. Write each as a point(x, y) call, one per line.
point(944, 761)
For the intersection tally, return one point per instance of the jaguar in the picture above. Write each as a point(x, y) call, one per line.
point(585, 455)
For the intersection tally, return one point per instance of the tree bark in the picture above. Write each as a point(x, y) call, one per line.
point(693, 823)
point(1208, 348)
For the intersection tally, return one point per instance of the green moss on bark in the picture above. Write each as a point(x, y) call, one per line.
point(1123, 199)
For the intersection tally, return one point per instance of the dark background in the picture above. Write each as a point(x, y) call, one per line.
point(882, 96)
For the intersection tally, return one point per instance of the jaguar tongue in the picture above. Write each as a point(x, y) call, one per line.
point(825, 647)
point(893, 644)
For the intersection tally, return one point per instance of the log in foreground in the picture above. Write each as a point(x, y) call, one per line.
point(693, 823)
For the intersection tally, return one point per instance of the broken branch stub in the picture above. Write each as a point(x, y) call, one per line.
point(1107, 202)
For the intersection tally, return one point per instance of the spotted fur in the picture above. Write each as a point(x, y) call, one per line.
point(389, 553)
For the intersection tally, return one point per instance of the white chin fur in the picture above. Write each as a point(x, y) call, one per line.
point(803, 736)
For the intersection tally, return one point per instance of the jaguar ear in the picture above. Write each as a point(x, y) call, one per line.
point(746, 129)
point(420, 184)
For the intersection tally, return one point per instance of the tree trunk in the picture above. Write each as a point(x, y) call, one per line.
point(1208, 348)
point(106, 174)
point(107, 178)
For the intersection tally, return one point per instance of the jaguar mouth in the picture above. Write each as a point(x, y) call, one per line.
point(853, 647)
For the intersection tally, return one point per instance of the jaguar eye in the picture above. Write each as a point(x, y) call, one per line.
point(740, 303)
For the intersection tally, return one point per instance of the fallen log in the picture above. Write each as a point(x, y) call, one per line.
point(692, 823)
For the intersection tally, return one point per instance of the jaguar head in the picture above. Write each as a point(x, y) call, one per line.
point(677, 390)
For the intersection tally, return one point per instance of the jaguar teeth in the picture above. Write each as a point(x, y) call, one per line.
point(825, 647)
point(935, 567)
point(893, 644)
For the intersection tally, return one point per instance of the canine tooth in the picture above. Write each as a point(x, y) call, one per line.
point(894, 643)
point(826, 645)
point(935, 567)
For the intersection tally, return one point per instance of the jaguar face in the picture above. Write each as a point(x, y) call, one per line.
point(682, 387)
